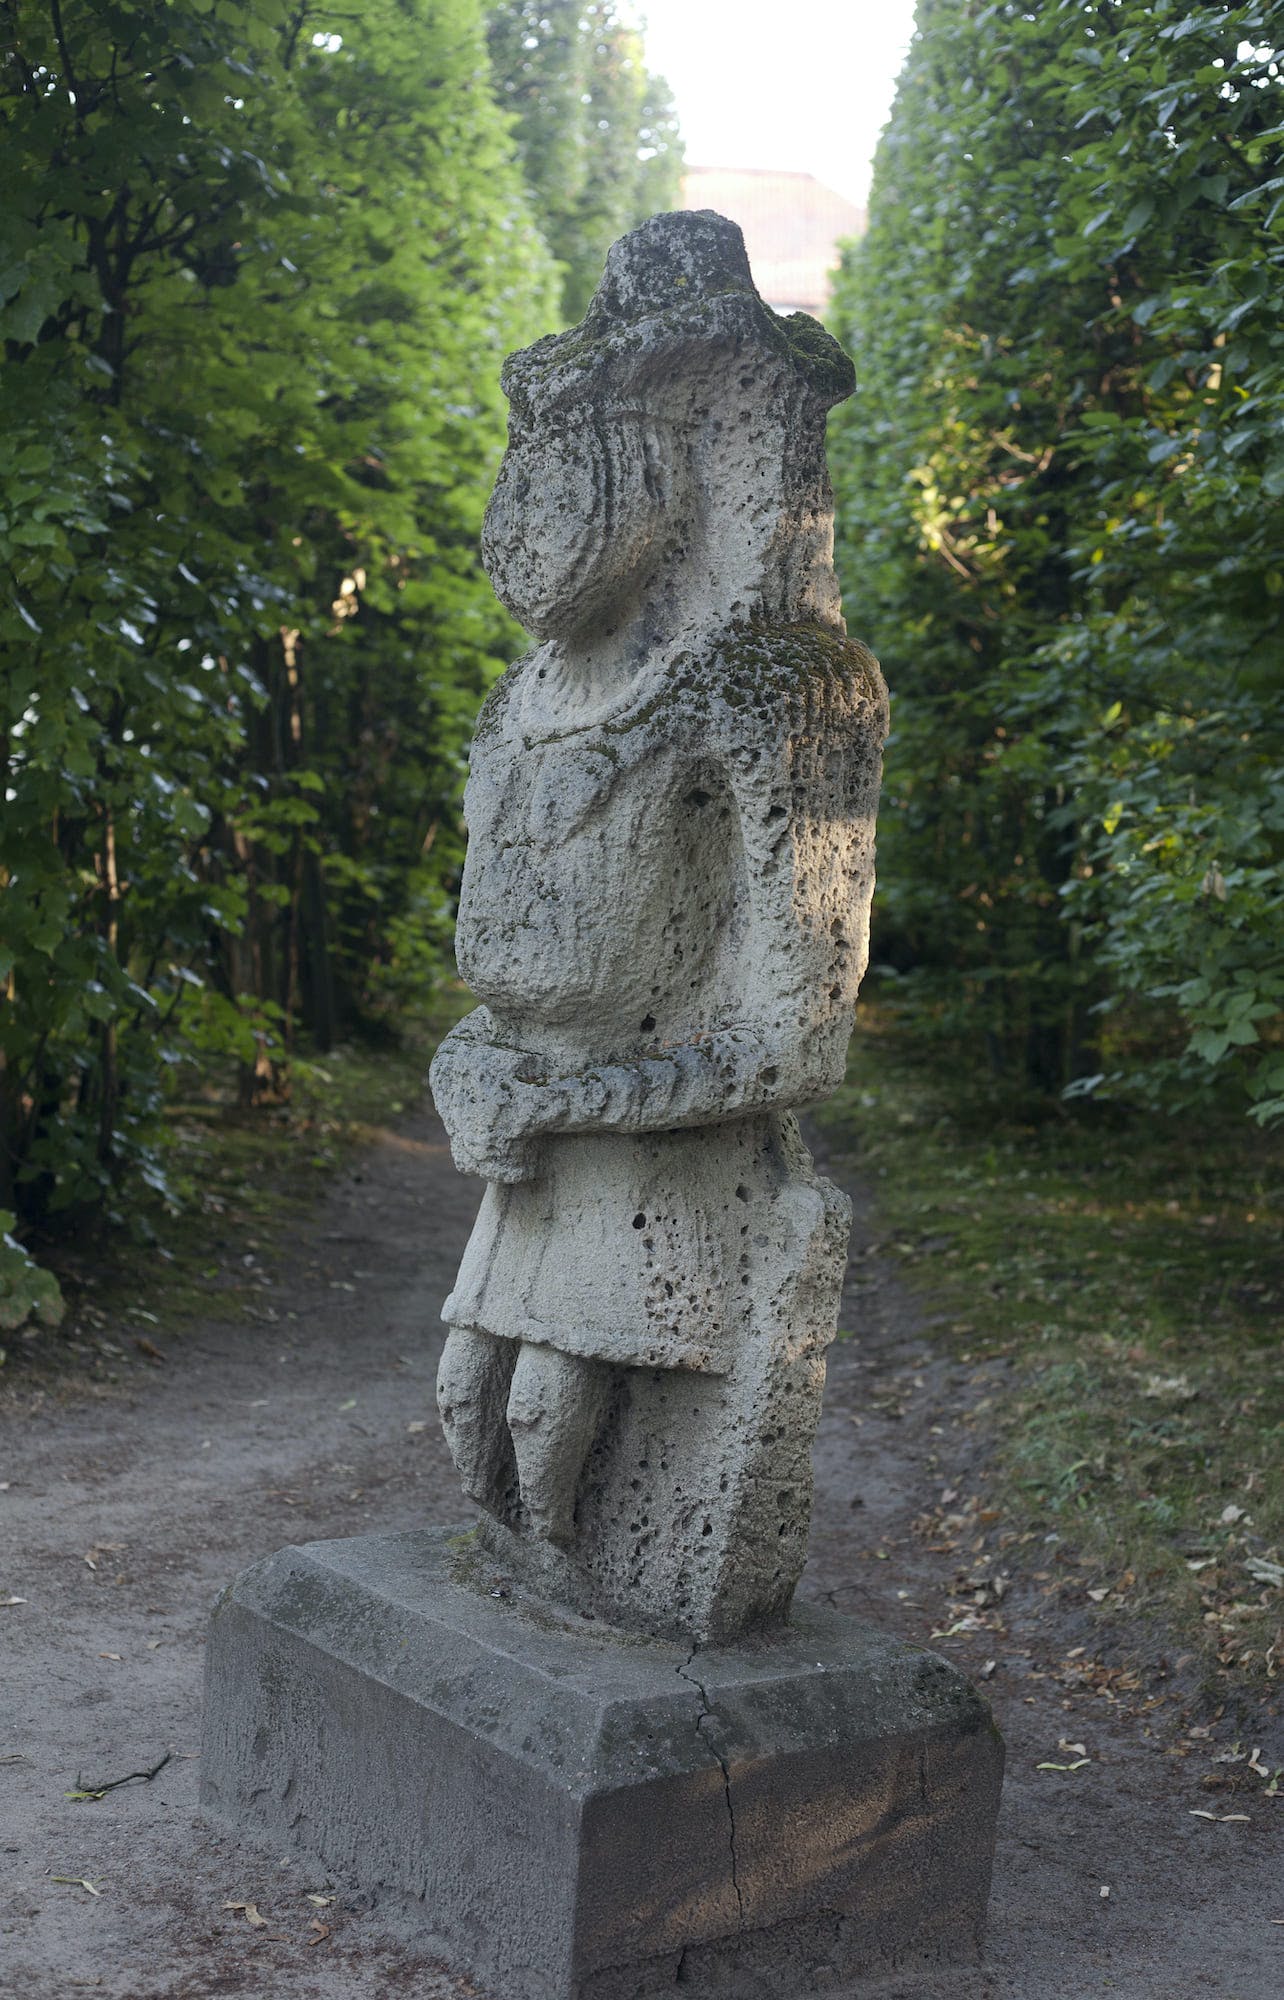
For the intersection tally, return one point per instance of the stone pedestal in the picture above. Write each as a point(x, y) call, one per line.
point(579, 1815)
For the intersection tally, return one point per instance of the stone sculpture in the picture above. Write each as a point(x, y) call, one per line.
point(592, 1744)
point(665, 911)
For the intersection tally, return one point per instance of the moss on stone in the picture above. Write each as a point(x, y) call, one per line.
point(758, 665)
point(550, 369)
point(817, 352)
point(769, 661)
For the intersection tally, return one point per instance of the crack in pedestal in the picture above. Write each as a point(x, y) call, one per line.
point(706, 1710)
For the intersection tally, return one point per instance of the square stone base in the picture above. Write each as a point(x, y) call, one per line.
point(581, 1816)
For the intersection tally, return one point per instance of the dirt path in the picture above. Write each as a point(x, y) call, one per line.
point(126, 1510)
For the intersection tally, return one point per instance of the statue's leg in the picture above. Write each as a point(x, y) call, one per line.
point(472, 1391)
point(555, 1407)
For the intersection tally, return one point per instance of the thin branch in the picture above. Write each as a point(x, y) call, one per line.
point(69, 74)
point(292, 37)
point(84, 1791)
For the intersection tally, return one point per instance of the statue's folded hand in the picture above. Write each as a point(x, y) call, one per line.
point(489, 1109)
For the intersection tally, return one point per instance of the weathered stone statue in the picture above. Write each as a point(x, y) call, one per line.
point(665, 910)
point(592, 1745)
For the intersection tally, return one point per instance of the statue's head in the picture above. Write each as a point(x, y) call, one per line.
point(672, 441)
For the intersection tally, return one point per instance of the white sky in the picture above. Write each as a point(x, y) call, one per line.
point(799, 84)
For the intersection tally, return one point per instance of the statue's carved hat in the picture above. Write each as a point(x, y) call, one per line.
point(678, 284)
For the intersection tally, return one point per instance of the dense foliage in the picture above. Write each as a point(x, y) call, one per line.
point(1061, 517)
point(259, 265)
point(596, 132)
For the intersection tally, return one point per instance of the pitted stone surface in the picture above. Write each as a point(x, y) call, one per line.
point(575, 1818)
point(665, 914)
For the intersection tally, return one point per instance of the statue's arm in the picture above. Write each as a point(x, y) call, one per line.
point(700, 1082)
point(495, 1100)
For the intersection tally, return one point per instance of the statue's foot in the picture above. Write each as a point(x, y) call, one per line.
point(559, 1529)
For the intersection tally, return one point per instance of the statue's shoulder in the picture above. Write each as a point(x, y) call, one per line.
point(795, 678)
point(497, 707)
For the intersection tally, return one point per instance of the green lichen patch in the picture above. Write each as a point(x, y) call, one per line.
point(766, 664)
point(827, 365)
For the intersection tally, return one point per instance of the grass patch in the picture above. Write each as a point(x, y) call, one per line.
point(1131, 1268)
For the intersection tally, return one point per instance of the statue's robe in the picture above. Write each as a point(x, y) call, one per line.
point(669, 904)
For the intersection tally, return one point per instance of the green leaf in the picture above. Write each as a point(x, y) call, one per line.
point(1137, 217)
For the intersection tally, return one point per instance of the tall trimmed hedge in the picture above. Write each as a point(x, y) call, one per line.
point(1061, 518)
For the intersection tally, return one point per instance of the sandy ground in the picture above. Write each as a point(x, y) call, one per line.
point(125, 1509)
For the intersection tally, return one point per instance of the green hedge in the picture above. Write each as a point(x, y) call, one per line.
point(1061, 522)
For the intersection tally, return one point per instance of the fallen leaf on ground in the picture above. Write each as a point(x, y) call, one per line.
point(1076, 1766)
point(109, 1656)
point(1173, 1388)
point(414, 1429)
point(149, 1348)
point(1073, 1749)
point(251, 1914)
point(77, 1882)
point(322, 1931)
point(1223, 1819)
point(7, 1601)
point(968, 1623)
point(322, 1902)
